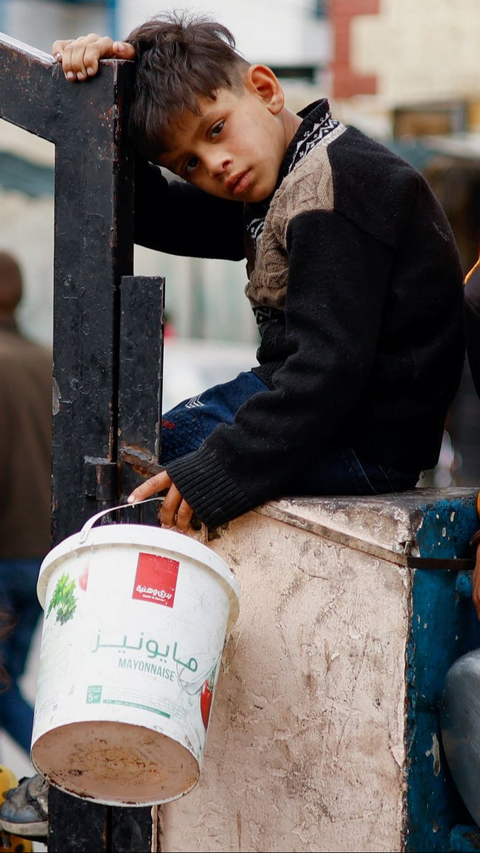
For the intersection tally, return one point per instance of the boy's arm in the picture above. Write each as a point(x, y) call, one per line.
point(171, 216)
point(174, 511)
point(175, 217)
point(335, 300)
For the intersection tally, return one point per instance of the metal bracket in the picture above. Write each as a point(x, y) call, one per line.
point(100, 479)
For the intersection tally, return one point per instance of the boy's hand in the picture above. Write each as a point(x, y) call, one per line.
point(174, 512)
point(80, 57)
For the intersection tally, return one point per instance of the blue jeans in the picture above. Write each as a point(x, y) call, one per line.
point(332, 471)
point(18, 597)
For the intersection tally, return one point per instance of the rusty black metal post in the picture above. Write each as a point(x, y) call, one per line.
point(140, 383)
point(93, 250)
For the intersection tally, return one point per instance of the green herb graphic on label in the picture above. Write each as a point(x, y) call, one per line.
point(63, 600)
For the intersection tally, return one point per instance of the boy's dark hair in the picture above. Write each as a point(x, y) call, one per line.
point(179, 59)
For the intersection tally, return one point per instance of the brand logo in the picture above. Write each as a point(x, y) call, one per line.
point(156, 579)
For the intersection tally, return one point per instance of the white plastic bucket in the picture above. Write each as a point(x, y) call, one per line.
point(134, 627)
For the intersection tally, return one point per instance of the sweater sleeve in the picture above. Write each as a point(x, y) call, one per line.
point(175, 217)
point(335, 297)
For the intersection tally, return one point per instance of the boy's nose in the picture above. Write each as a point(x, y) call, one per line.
point(218, 164)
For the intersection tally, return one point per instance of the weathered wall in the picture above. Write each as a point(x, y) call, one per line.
point(305, 750)
point(419, 51)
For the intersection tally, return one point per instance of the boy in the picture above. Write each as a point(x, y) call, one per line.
point(354, 279)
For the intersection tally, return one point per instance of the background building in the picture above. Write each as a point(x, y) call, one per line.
point(394, 54)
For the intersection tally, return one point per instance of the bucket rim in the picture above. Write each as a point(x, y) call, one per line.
point(52, 780)
point(143, 535)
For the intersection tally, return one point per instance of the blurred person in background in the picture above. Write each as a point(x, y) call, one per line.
point(25, 471)
point(455, 181)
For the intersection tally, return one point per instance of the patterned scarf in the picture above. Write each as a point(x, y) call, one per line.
point(316, 125)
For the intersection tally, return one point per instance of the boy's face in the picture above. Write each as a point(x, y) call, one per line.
point(233, 150)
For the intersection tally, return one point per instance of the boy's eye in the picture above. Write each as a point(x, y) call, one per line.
point(217, 129)
point(191, 165)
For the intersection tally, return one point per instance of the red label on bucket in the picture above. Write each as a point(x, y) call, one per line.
point(156, 579)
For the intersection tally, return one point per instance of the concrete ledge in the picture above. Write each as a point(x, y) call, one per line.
point(307, 748)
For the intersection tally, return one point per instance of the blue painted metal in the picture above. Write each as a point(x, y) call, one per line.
point(447, 527)
point(463, 585)
point(464, 839)
point(443, 627)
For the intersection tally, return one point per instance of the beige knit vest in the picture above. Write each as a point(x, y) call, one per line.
point(309, 186)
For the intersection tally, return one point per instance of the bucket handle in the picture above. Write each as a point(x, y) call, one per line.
point(91, 521)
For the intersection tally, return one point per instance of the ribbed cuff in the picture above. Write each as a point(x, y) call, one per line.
point(203, 482)
point(266, 371)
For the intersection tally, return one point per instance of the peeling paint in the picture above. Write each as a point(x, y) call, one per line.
point(56, 397)
point(435, 753)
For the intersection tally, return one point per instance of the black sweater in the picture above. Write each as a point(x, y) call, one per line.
point(357, 288)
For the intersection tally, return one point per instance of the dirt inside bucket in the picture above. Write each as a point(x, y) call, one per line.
point(115, 763)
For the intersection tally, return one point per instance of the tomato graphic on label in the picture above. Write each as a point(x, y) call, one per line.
point(83, 579)
point(206, 697)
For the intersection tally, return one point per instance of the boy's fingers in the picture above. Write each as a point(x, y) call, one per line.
point(58, 47)
point(80, 57)
point(158, 483)
point(91, 59)
point(73, 54)
point(170, 506)
point(94, 47)
point(174, 512)
point(184, 516)
point(70, 59)
point(123, 50)
point(103, 49)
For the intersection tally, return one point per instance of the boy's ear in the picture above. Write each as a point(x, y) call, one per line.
point(261, 80)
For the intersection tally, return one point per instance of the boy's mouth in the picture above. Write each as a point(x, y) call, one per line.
point(238, 183)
